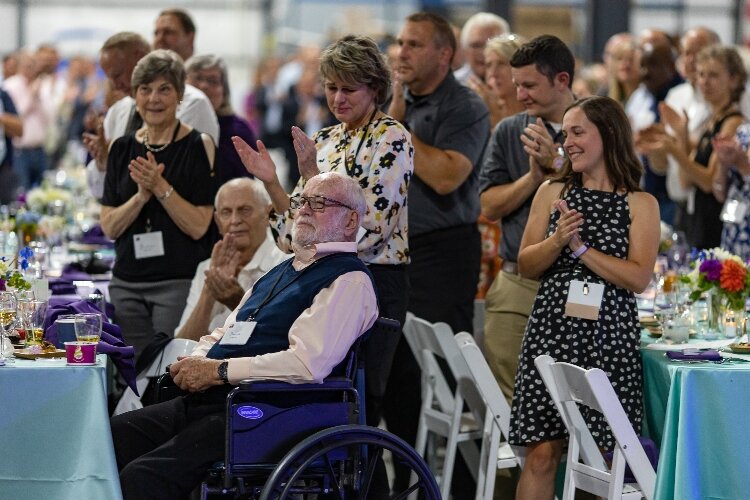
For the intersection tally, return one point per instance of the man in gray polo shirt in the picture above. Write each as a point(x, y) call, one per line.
point(523, 150)
point(449, 124)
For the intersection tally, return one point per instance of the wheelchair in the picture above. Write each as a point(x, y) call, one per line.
point(308, 440)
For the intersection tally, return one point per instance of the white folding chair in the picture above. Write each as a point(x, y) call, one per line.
point(492, 413)
point(570, 385)
point(441, 412)
point(176, 347)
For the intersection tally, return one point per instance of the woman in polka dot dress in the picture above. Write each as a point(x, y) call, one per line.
point(590, 224)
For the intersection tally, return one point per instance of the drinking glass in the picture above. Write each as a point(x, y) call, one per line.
point(32, 313)
point(88, 327)
point(8, 307)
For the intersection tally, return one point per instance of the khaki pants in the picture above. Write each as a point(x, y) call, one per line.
point(508, 305)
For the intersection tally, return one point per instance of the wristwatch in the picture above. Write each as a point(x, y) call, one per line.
point(222, 370)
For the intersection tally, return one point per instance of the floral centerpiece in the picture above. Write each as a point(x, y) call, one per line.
point(44, 200)
point(10, 276)
point(724, 275)
point(722, 272)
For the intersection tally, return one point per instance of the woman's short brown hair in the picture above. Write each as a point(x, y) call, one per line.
point(160, 62)
point(357, 60)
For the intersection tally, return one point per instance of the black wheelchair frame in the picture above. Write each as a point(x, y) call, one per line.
point(299, 440)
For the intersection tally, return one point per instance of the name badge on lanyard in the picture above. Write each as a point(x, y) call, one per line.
point(148, 245)
point(238, 333)
point(584, 300)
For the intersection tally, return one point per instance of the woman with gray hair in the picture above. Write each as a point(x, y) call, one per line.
point(376, 151)
point(209, 73)
point(157, 204)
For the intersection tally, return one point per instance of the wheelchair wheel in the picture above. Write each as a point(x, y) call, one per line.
point(341, 462)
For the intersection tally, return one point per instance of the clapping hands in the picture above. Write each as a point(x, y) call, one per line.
point(221, 278)
point(147, 174)
point(568, 226)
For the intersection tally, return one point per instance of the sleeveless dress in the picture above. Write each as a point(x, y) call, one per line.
point(704, 225)
point(611, 343)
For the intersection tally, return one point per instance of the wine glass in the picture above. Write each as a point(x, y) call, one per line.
point(88, 327)
point(8, 306)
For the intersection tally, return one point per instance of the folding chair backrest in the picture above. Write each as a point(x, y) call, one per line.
point(570, 385)
point(484, 383)
point(416, 331)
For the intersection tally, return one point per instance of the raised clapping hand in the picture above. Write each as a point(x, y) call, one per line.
point(397, 108)
point(258, 163)
point(306, 154)
point(96, 145)
point(539, 145)
point(568, 226)
point(195, 373)
point(728, 150)
point(221, 278)
point(147, 174)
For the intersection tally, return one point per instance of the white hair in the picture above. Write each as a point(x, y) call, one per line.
point(254, 185)
point(482, 19)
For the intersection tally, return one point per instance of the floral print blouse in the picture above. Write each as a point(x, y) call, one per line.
point(380, 157)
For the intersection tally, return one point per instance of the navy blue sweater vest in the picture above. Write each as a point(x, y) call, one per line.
point(293, 292)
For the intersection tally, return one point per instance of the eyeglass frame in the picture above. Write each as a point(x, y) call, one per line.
point(321, 202)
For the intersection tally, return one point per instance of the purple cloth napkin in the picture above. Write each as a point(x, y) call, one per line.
point(111, 342)
point(72, 273)
point(652, 453)
point(59, 286)
point(95, 236)
point(695, 355)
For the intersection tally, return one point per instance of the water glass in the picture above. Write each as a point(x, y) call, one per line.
point(8, 308)
point(33, 313)
point(88, 327)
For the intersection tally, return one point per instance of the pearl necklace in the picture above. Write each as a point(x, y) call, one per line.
point(163, 146)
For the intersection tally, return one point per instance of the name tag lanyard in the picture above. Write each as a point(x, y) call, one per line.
point(578, 268)
point(350, 170)
point(273, 292)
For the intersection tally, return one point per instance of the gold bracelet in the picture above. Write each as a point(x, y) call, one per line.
point(167, 193)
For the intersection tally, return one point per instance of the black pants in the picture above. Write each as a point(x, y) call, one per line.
point(392, 283)
point(163, 451)
point(443, 275)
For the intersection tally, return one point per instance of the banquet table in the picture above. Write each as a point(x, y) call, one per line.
point(55, 441)
point(700, 413)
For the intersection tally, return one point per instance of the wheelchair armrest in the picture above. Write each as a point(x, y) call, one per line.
point(331, 383)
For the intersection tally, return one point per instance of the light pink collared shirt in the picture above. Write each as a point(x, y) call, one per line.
point(320, 337)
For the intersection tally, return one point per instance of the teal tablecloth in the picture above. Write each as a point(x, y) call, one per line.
point(55, 441)
point(701, 415)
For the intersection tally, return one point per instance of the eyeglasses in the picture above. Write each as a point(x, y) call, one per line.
point(316, 203)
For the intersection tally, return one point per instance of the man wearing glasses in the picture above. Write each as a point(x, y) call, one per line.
point(296, 324)
point(245, 253)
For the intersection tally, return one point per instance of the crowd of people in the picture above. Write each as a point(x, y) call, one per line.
point(395, 149)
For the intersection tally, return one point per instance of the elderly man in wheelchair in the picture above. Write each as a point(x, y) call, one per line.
point(295, 325)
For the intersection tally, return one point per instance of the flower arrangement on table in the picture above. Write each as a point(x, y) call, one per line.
point(725, 276)
point(49, 200)
point(10, 276)
point(721, 272)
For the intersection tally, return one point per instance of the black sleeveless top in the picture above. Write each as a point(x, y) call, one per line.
point(187, 169)
point(703, 228)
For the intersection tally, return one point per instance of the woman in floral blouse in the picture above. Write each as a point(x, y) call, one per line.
point(373, 148)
